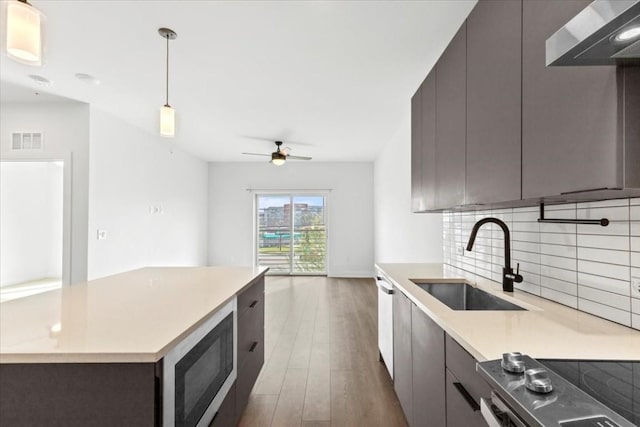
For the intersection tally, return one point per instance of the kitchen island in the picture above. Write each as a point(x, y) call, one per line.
point(91, 353)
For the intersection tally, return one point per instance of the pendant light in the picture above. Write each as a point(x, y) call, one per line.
point(24, 33)
point(167, 114)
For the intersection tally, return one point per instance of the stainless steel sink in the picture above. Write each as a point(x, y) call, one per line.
point(460, 296)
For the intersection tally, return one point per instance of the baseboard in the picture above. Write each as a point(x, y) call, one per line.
point(368, 274)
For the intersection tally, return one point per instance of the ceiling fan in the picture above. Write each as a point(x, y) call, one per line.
point(279, 156)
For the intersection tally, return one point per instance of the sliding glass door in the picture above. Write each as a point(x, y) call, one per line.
point(274, 233)
point(291, 233)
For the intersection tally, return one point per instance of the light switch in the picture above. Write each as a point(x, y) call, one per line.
point(102, 234)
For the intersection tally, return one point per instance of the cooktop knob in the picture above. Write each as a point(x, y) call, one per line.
point(538, 380)
point(513, 362)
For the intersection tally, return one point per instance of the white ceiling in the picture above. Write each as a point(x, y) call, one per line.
point(336, 75)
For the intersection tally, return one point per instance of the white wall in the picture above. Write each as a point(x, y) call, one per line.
point(131, 171)
point(400, 235)
point(350, 216)
point(31, 203)
point(65, 127)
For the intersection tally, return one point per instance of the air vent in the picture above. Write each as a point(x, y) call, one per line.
point(32, 141)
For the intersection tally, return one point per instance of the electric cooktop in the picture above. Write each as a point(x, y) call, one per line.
point(616, 384)
point(561, 393)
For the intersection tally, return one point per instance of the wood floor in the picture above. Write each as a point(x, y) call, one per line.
point(321, 357)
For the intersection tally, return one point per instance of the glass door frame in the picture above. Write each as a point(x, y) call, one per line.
point(292, 194)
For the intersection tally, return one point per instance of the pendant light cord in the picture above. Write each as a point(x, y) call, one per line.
point(167, 88)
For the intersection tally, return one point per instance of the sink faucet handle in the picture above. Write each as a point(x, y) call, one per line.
point(518, 278)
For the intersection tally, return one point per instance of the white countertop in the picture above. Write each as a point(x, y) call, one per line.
point(545, 330)
point(130, 317)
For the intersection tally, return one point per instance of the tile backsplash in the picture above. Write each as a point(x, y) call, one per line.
point(588, 267)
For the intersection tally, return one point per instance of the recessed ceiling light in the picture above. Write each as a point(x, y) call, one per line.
point(628, 34)
point(88, 79)
point(39, 80)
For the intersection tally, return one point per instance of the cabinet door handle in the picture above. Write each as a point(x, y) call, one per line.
point(463, 391)
point(253, 304)
point(253, 346)
point(383, 288)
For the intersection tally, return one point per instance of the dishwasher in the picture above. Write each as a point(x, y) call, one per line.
point(385, 322)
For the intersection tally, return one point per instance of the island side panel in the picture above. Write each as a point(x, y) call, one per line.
point(69, 394)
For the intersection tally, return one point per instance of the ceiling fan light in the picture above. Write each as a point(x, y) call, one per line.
point(278, 158)
point(24, 35)
point(167, 121)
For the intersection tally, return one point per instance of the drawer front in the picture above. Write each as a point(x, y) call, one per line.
point(250, 331)
point(247, 376)
point(248, 297)
point(463, 366)
point(226, 415)
point(462, 410)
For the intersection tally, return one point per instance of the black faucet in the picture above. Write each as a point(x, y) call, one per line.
point(508, 277)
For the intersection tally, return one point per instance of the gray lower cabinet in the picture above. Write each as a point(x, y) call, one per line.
point(250, 342)
point(226, 415)
point(80, 394)
point(435, 379)
point(494, 80)
point(464, 387)
point(427, 348)
point(402, 360)
point(462, 410)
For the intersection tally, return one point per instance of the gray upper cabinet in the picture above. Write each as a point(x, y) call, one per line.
point(423, 134)
point(632, 126)
point(571, 124)
point(416, 150)
point(493, 125)
point(428, 142)
point(450, 130)
point(494, 102)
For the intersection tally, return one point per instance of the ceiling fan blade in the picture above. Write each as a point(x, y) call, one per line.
point(272, 140)
point(258, 138)
point(257, 154)
point(298, 157)
point(302, 143)
point(285, 150)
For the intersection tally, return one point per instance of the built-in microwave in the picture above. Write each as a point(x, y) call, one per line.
point(200, 370)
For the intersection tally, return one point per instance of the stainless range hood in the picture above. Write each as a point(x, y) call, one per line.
point(607, 32)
